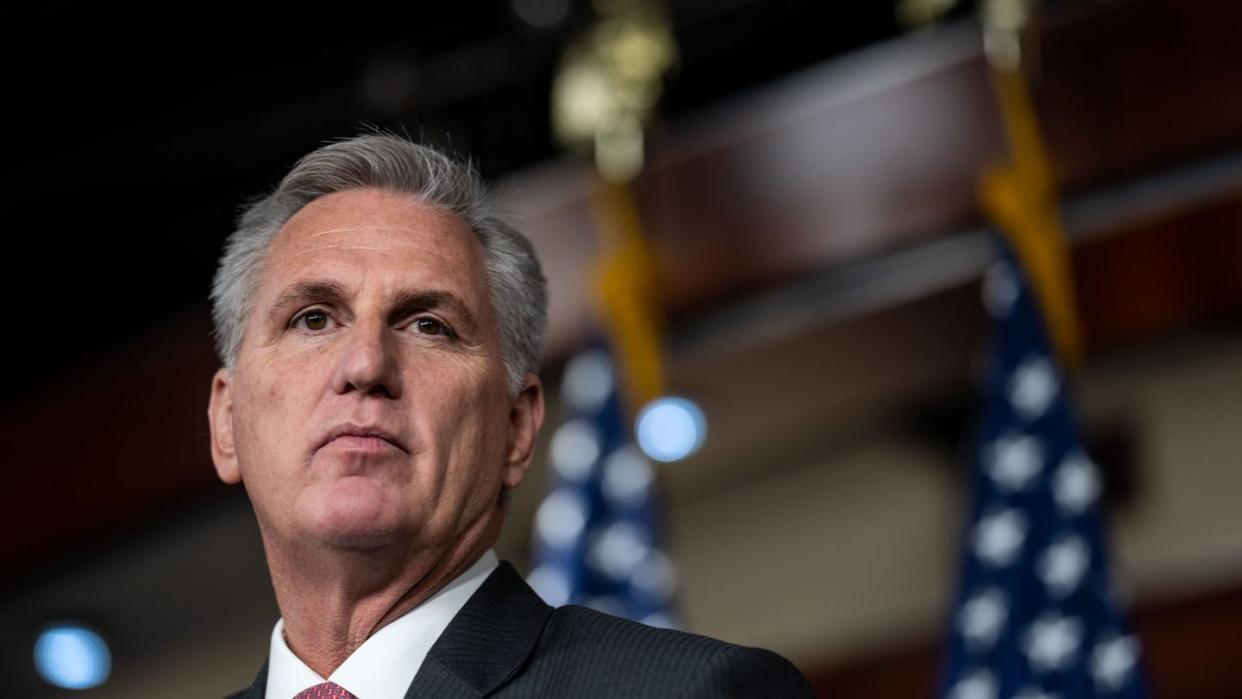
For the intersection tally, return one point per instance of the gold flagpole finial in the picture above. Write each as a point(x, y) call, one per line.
point(609, 82)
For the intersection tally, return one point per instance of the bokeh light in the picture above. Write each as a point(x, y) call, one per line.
point(670, 428)
point(72, 657)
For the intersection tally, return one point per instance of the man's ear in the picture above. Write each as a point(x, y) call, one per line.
point(220, 417)
point(525, 419)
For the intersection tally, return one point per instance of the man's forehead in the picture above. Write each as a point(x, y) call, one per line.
point(361, 211)
point(345, 226)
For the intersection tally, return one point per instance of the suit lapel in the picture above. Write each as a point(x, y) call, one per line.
point(487, 642)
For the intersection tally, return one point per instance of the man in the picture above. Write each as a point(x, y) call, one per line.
point(380, 328)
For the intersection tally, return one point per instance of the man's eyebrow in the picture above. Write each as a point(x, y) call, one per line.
point(306, 292)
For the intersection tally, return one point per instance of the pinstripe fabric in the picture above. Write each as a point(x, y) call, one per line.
point(507, 643)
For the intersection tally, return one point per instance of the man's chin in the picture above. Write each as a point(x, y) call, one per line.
point(357, 540)
point(357, 534)
point(355, 518)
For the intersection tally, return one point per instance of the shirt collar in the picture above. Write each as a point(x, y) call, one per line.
point(385, 664)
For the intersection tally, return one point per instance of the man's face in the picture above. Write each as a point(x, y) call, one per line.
point(368, 405)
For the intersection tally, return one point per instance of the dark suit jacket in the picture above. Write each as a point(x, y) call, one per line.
point(507, 643)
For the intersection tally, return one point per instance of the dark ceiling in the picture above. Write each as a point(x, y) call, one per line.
point(130, 141)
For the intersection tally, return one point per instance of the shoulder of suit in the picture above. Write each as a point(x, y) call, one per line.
point(666, 658)
point(583, 624)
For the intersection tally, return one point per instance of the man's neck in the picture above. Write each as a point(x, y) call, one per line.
point(331, 605)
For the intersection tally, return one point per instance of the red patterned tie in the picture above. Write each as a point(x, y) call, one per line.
point(327, 690)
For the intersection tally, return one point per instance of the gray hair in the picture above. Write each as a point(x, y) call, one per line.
point(516, 284)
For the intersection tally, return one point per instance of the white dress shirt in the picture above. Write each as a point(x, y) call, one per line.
point(385, 664)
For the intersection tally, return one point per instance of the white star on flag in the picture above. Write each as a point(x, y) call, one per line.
point(1015, 461)
point(1076, 484)
point(1052, 642)
point(1032, 388)
point(1113, 660)
point(999, 537)
point(552, 584)
point(1063, 564)
point(977, 685)
point(575, 449)
point(982, 618)
point(618, 549)
point(561, 518)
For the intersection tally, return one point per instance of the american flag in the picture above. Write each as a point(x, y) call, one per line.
point(596, 531)
point(1037, 614)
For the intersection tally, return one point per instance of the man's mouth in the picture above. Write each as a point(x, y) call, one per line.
point(362, 438)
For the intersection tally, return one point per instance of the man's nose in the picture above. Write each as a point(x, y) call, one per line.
point(368, 362)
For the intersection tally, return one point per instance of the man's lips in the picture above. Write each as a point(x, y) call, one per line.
point(357, 437)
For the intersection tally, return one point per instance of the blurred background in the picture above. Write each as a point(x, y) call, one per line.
point(799, 183)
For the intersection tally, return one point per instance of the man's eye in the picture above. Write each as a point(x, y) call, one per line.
point(430, 326)
point(312, 320)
